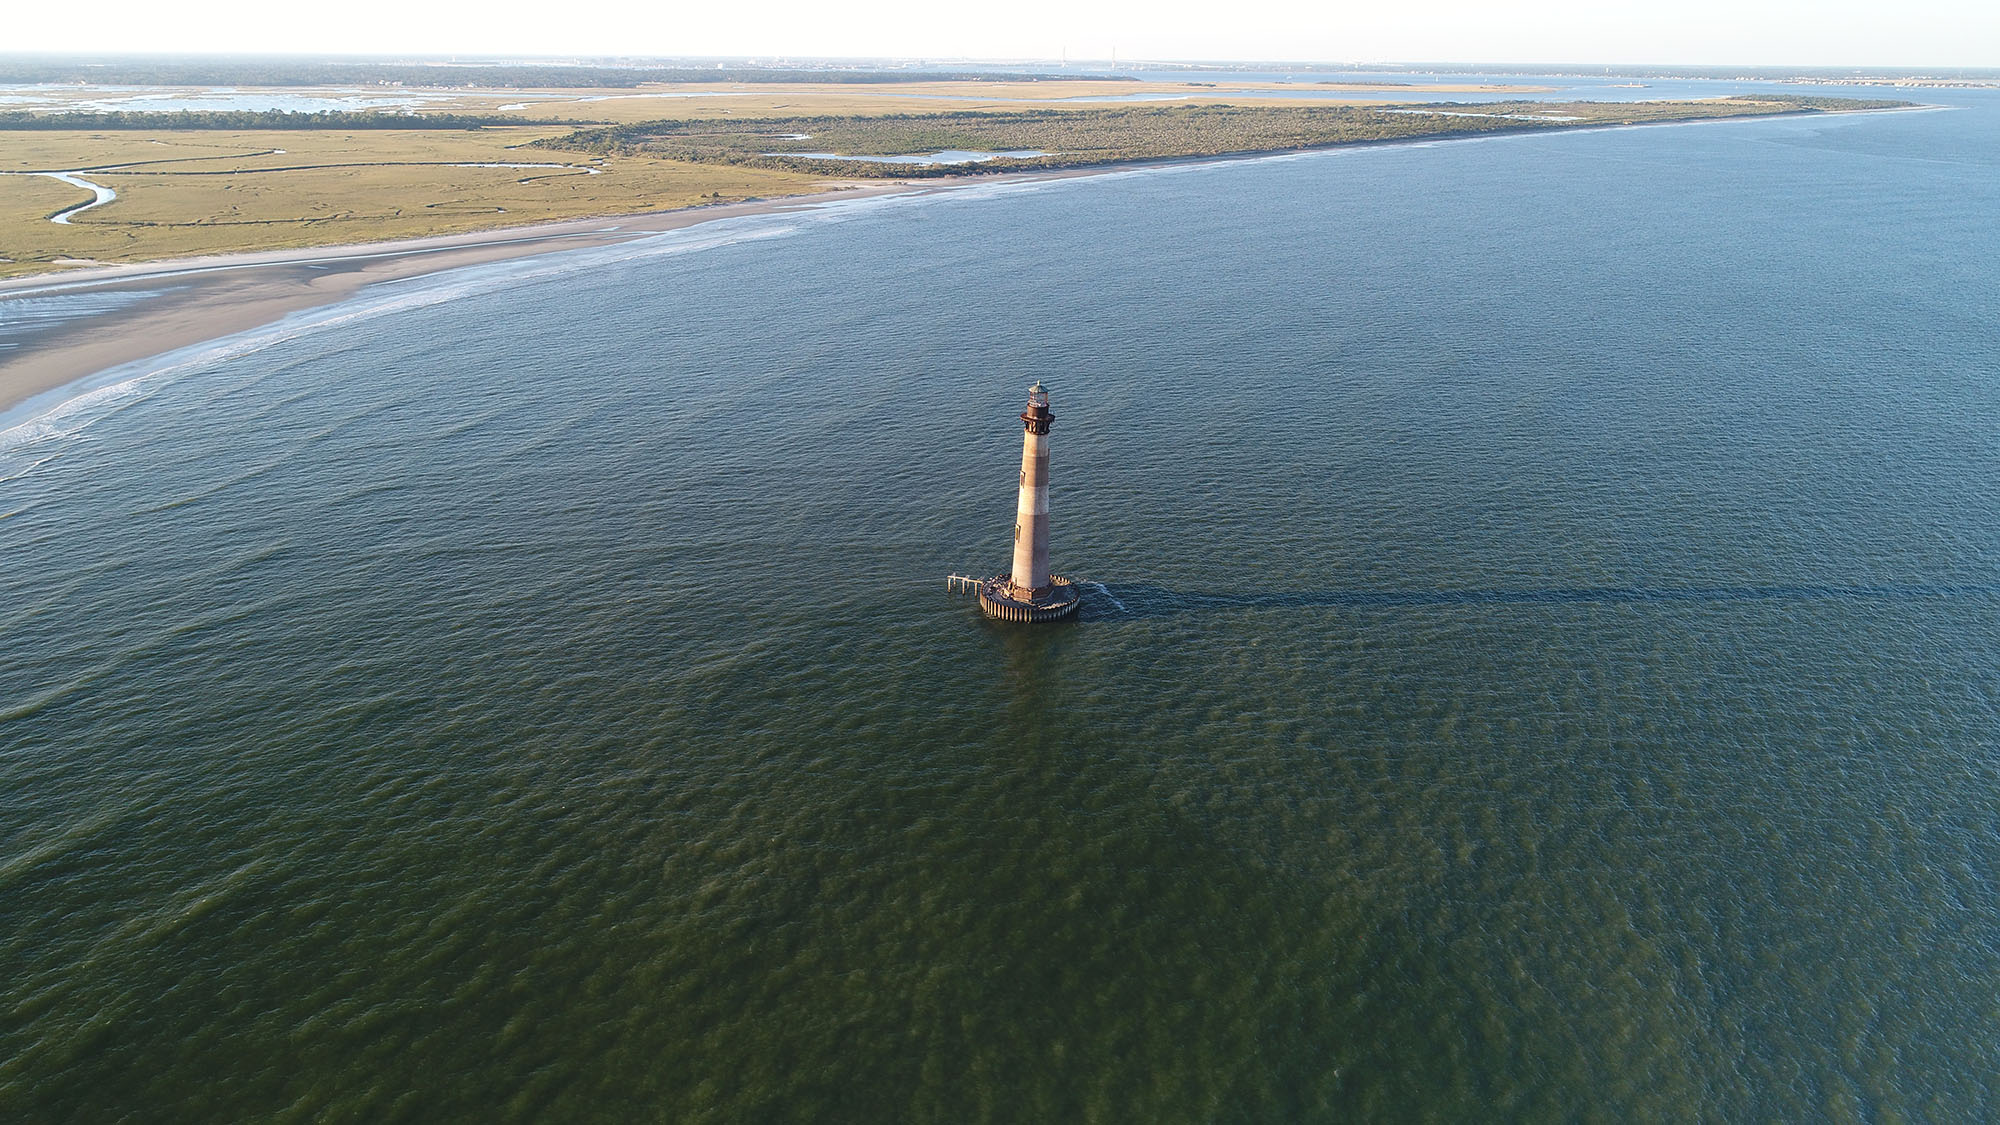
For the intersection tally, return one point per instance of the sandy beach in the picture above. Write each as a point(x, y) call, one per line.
point(181, 302)
point(173, 304)
point(176, 304)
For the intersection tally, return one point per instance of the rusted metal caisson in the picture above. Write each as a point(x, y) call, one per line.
point(1029, 592)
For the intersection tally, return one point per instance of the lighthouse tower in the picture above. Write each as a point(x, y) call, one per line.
point(1029, 592)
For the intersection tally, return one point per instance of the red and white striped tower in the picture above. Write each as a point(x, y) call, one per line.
point(1030, 575)
point(1029, 592)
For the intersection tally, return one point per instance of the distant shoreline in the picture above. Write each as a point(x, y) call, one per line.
point(183, 302)
point(179, 303)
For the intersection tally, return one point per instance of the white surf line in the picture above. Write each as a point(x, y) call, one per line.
point(335, 255)
point(1106, 591)
point(104, 195)
point(975, 189)
point(66, 286)
point(65, 410)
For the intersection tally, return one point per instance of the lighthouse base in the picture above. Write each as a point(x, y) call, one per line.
point(1000, 601)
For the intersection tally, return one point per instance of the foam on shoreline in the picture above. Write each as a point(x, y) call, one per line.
point(65, 410)
point(122, 348)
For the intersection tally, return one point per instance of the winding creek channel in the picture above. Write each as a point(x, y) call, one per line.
point(102, 195)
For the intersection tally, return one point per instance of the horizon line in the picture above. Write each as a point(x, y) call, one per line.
point(772, 60)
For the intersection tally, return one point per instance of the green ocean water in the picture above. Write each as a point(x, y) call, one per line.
point(1540, 662)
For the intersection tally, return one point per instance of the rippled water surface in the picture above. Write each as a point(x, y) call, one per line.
point(1545, 662)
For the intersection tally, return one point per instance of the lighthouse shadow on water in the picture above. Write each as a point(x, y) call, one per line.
point(1136, 600)
point(1029, 594)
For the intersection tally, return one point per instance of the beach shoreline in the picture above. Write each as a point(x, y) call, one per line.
point(165, 306)
point(174, 304)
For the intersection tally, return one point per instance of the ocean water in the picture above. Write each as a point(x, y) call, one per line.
point(1543, 662)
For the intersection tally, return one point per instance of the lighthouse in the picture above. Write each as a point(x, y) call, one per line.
point(1028, 592)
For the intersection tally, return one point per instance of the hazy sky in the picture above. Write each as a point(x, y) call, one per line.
point(1828, 32)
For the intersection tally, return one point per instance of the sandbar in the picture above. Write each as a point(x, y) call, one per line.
point(179, 303)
